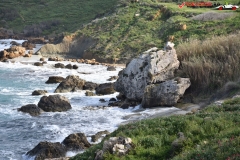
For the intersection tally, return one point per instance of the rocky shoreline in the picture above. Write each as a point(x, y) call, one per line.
point(153, 69)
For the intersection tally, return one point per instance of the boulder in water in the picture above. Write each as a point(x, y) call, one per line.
point(47, 150)
point(54, 103)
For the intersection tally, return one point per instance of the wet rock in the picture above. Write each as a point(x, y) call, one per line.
point(75, 66)
point(77, 141)
point(42, 59)
point(111, 68)
point(125, 106)
point(38, 64)
point(47, 150)
point(32, 109)
point(88, 93)
point(71, 84)
point(69, 66)
point(102, 100)
point(112, 100)
point(112, 78)
point(39, 92)
point(54, 103)
point(90, 86)
point(55, 79)
point(98, 135)
point(105, 88)
point(59, 65)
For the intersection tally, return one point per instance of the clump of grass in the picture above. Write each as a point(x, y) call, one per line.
point(211, 63)
point(213, 133)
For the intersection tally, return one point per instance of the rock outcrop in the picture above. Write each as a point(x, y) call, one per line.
point(166, 93)
point(154, 66)
point(12, 52)
point(47, 150)
point(32, 109)
point(54, 103)
point(71, 84)
point(77, 141)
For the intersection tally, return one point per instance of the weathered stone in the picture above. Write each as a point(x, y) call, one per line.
point(47, 150)
point(105, 88)
point(166, 93)
point(71, 84)
point(39, 92)
point(98, 135)
point(77, 141)
point(55, 79)
point(115, 145)
point(59, 65)
point(32, 109)
point(90, 86)
point(154, 66)
point(54, 103)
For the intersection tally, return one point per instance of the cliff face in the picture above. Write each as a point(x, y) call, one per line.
point(70, 47)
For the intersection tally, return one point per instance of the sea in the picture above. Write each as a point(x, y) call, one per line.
point(20, 132)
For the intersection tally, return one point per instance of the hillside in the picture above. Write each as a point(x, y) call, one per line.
point(44, 17)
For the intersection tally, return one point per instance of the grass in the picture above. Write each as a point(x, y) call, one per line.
point(212, 133)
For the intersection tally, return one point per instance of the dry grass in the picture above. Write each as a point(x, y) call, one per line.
point(210, 63)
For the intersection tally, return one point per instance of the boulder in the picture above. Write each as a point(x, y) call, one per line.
point(89, 93)
point(75, 66)
point(47, 150)
point(69, 66)
point(90, 86)
point(39, 92)
point(54, 103)
point(115, 145)
point(166, 93)
point(42, 59)
point(32, 109)
point(98, 135)
point(59, 65)
point(55, 79)
point(77, 141)
point(71, 84)
point(153, 66)
point(38, 64)
point(105, 88)
point(28, 45)
point(111, 68)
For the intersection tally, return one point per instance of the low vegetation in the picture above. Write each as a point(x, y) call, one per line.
point(212, 133)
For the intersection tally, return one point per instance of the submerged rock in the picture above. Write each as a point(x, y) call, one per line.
point(54, 103)
point(39, 92)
